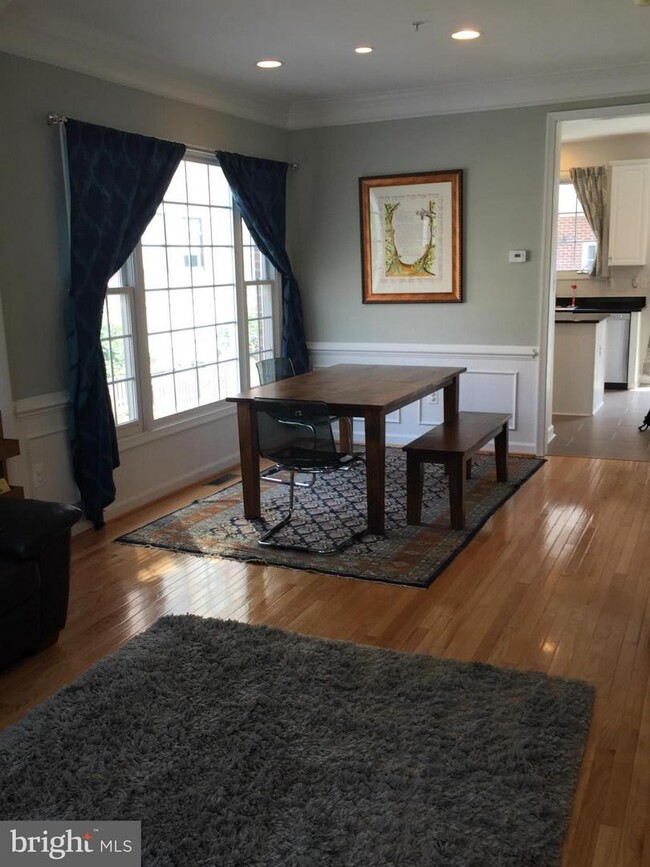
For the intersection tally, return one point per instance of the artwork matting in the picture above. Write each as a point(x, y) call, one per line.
point(411, 237)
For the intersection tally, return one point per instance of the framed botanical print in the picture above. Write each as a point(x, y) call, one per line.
point(411, 237)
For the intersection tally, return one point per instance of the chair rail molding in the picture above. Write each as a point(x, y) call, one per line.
point(153, 463)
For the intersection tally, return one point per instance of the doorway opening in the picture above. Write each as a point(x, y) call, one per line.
point(616, 305)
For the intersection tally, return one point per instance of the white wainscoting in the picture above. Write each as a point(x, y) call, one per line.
point(498, 379)
point(152, 465)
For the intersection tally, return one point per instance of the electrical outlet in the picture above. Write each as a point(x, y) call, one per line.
point(434, 398)
point(38, 475)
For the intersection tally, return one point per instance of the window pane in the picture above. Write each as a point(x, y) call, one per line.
point(206, 345)
point(180, 270)
point(124, 402)
point(155, 231)
point(568, 201)
point(228, 378)
point(117, 280)
point(224, 265)
point(160, 353)
point(154, 264)
point(157, 311)
point(119, 358)
point(201, 266)
point(181, 308)
point(204, 312)
point(221, 219)
point(177, 224)
point(187, 390)
point(227, 341)
point(219, 189)
point(117, 349)
point(164, 396)
point(197, 183)
point(177, 191)
point(208, 384)
point(226, 304)
point(575, 239)
point(184, 352)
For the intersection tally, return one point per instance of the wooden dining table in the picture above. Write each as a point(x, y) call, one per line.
point(368, 391)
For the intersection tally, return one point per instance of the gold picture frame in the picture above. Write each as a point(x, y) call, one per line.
point(411, 237)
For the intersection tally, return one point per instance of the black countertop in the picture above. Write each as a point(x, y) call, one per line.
point(619, 304)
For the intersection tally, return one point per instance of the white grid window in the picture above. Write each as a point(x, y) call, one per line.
point(574, 234)
point(259, 279)
point(206, 299)
point(118, 350)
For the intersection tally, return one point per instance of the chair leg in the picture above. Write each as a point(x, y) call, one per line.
point(268, 541)
point(266, 538)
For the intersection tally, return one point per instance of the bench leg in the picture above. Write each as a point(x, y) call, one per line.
point(468, 469)
point(457, 470)
point(414, 483)
point(501, 453)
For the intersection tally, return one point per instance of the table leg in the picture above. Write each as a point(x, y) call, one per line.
point(450, 399)
point(375, 448)
point(345, 435)
point(249, 458)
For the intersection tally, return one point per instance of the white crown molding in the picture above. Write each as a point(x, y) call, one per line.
point(108, 60)
point(473, 96)
point(111, 60)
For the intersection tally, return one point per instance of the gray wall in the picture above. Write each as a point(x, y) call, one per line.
point(33, 261)
point(502, 154)
point(502, 157)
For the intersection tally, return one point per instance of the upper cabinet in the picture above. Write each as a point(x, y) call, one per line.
point(629, 205)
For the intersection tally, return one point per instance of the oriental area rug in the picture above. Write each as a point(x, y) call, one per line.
point(248, 746)
point(334, 508)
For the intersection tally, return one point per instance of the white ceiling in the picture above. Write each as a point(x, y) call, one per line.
point(580, 130)
point(205, 51)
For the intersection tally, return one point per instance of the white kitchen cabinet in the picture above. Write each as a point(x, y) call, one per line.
point(628, 218)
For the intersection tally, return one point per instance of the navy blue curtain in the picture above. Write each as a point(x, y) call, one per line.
point(117, 180)
point(259, 190)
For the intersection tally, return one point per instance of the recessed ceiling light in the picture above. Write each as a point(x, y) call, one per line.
point(363, 49)
point(466, 34)
point(269, 64)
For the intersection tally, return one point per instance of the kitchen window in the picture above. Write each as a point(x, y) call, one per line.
point(576, 242)
point(193, 309)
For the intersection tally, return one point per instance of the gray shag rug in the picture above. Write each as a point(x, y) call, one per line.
point(247, 746)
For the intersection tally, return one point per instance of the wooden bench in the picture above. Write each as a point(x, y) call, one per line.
point(453, 444)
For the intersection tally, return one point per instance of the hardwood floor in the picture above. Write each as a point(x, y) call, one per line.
point(557, 581)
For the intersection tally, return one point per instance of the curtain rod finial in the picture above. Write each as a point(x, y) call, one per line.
point(53, 119)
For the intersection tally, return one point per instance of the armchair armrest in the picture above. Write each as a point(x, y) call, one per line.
point(26, 526)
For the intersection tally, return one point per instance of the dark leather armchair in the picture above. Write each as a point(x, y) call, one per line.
point(34, 574)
